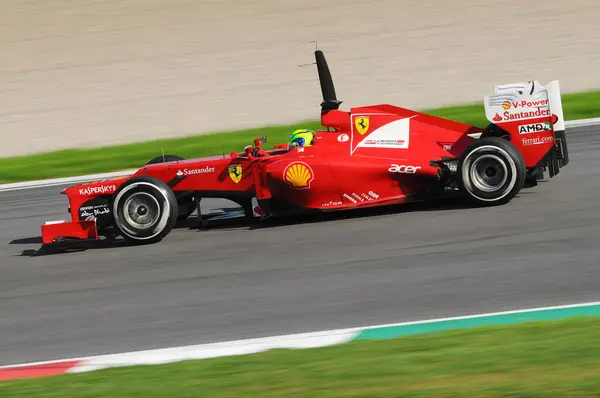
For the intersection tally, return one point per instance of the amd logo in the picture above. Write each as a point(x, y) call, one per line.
point(535, 128)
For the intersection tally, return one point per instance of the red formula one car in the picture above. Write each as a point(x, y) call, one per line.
point(368, 156)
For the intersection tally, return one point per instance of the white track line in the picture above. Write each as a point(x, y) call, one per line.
point(249, 346)
point(62, 181)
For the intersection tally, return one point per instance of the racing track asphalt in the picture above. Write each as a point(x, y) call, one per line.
point(234, 282)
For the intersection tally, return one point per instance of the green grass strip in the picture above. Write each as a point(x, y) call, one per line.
point(538, 359)
point(74, 162)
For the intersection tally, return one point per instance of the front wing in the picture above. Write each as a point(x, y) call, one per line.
point(57, 231)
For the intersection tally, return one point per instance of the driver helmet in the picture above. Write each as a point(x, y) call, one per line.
point(301, 137)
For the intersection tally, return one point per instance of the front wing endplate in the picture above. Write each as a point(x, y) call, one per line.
point(53, 231)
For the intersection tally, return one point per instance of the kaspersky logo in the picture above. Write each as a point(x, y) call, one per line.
point(99, 190)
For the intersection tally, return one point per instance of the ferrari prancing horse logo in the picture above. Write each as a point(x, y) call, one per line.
point(235, 172)
point(362, 124)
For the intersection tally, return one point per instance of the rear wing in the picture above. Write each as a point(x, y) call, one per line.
point(533, 116)
point(523, 101)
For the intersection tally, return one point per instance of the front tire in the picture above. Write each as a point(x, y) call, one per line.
point(145, 209)
point(491, 171)
point(186, 200)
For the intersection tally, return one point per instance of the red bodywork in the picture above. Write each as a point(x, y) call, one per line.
point(370, 156)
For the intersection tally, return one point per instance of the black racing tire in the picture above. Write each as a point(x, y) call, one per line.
point(145, 209)
point(186, 200)
point(491, 171)
point(164, 159)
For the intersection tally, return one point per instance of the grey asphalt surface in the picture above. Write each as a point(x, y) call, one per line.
point(236, 282)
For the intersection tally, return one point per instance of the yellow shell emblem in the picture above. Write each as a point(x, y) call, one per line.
point(362, 124)
point(299, 175)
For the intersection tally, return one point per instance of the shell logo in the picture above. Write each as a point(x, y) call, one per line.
point(298, 175)
point(506, 105)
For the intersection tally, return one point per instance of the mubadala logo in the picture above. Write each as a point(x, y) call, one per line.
point(350, 198)
point(535, 128)
point(189, 172)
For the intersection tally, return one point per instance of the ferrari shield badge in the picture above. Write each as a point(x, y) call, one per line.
point(235, 172)
point(362, 124)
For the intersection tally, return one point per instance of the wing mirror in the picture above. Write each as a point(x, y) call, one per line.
point(260, 140)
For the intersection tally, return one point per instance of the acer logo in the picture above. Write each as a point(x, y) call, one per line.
point(403, 169)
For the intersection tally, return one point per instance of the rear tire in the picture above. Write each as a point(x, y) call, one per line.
point(145, 209)
point(186, 200)
point(491, 171)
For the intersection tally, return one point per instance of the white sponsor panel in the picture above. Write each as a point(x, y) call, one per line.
point(535, 128)
point(520, 101)
point(395, 135)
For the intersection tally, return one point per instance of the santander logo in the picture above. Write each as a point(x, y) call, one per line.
point(507, 116)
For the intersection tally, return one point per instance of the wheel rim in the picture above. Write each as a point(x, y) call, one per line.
point(488, 173)
point(141, 210)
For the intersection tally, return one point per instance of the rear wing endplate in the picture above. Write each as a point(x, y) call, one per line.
point(531, 100)
point(532, 97)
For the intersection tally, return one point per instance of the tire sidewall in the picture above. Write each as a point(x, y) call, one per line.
point(187, 202)
point(511, 159)
point(168, 209)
